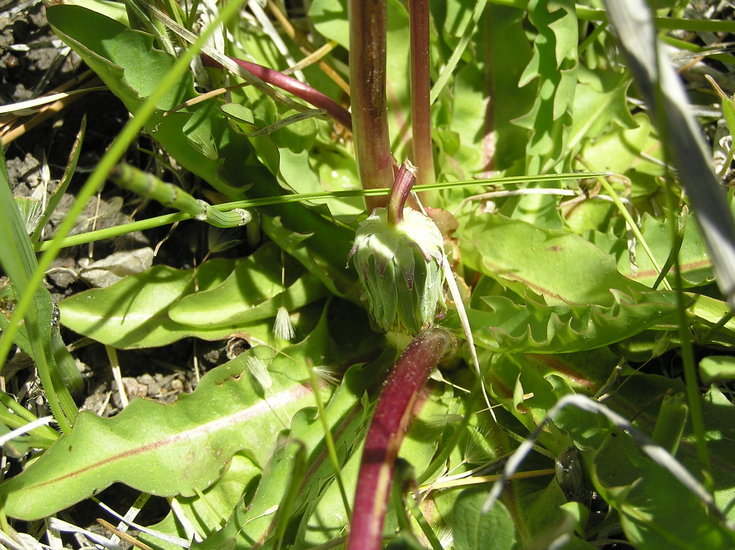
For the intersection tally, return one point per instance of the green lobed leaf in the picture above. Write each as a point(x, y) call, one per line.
point(325, 517)
point(506, 32)
point(619, 151)
point(544, 380)
point(709, 311)
point(665, 95)
point(110, 59)
point(324, 514)
point(251, 292)
point(186, 446)
point(251, 519)
point(696, 266)
point(330, 19)
point(207, 512)
point(536, 508)
point(567, 294)
point(633, 484)
point(331, 347)
point(254, 522)
point(553, 69)
point(600, 101)
point(532, 326)
point(561, 267)
point(162, 305)
point(181, 447)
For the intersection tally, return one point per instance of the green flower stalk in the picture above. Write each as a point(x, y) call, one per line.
point(398, 254)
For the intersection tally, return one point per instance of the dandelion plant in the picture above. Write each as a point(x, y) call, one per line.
point(559, 293)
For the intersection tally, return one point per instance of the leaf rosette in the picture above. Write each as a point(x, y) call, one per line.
point(400, 268)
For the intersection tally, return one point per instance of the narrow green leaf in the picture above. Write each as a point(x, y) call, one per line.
point(39, 333)
point(599, 101)
point(253, 524)
point(670, 423)
point(69, 170)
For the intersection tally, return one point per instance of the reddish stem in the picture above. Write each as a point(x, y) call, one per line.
point(368, 97)
point(423, 154)
point(405, 179)
point(291, 85)
point(387, 428)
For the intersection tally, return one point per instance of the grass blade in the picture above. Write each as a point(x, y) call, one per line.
point(19, 263)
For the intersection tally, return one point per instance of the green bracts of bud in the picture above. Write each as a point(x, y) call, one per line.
point(400, 268)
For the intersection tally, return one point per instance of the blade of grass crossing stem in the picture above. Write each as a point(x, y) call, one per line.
point(687, 353)
point(457, 437)
point(466, 328)
point(19, 263)
point(663, 91)
point(425, 526)
point(113, 155)
point(295, 482)
point(138, 10)
point(464, 321)
point(166, 219)
point(674, 249)
point(230, 64)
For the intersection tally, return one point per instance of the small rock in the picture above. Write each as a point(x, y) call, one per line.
point(113, 268)
point(133, 388)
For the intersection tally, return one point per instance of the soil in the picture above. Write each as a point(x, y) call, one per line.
point(33, 62)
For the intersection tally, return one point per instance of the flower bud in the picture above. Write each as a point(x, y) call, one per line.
point(400, 268)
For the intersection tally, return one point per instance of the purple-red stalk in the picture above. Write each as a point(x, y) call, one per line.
point(387, 429)
point(368, 97)
point(405, 178)
point(423, 155)
point(291, 85)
